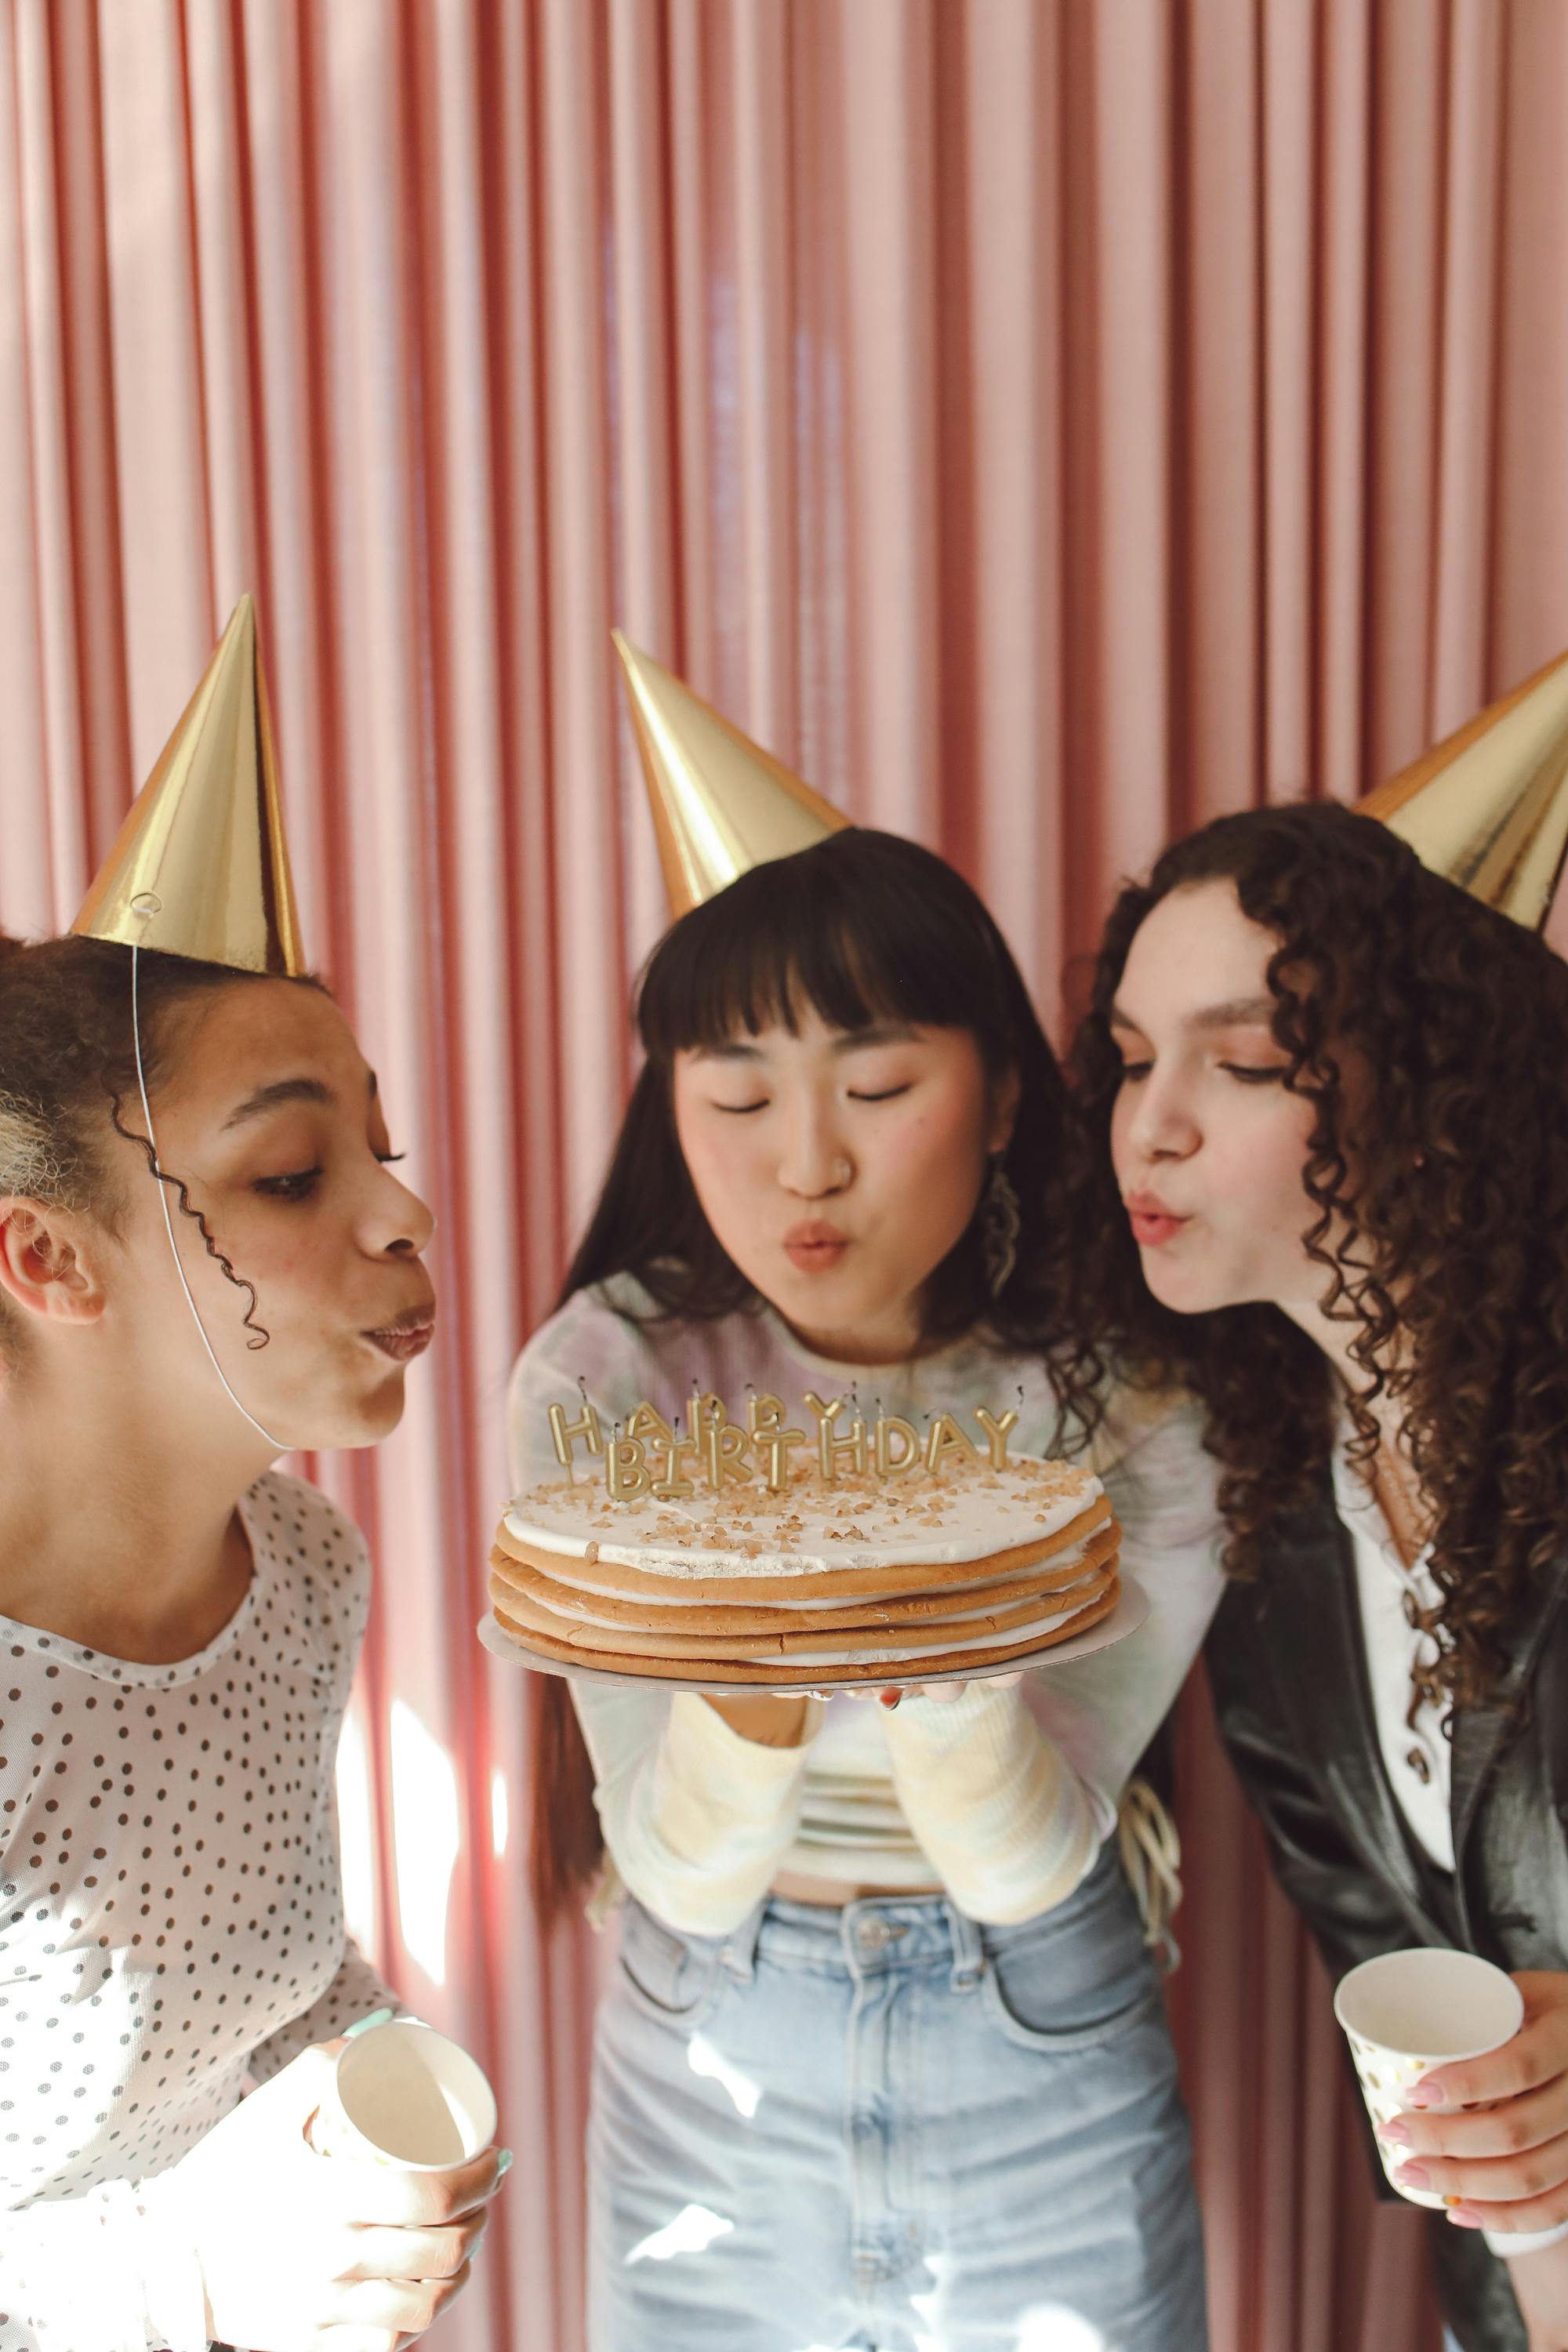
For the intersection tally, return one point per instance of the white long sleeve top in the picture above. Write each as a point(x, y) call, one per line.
point(170, 1912)
point(1004, 1796)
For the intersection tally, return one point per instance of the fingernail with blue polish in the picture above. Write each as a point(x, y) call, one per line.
point(504, 2162)
point(363, 2025)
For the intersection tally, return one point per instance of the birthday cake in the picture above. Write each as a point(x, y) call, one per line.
point(765, 1556)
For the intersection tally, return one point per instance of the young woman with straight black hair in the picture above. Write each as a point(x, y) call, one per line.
point(884, 2061)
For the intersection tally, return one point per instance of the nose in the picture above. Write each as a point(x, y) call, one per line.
point(400, 1225)
point(815, 1162)
point(1162, 1126)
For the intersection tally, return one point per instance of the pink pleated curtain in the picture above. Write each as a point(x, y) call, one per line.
point(1045, 426)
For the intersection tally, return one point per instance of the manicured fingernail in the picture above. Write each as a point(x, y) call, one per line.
point(1414, 2176)
point(890, 1698)
point(363, 2025)
point(1397, 2131)
point(1426, 2094)
point(504, 2162)
point(1463, 2219)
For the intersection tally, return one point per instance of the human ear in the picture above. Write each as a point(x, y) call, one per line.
point(1004, 1097)
point(45, 1267)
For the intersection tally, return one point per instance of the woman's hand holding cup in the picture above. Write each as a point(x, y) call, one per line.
point(1490, 2136)
point(301, 2253)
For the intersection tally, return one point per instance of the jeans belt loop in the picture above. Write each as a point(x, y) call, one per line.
point(968, 1957)
point(739, 1953)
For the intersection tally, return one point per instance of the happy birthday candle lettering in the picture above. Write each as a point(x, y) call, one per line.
point(651, 1457)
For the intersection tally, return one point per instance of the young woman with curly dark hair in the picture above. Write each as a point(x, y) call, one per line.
point(1326, 1097)
point(884, 2059)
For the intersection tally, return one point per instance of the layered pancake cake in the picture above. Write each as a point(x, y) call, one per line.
point(829, 1574)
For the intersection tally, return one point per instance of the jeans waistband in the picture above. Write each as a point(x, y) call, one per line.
point(875, 1936)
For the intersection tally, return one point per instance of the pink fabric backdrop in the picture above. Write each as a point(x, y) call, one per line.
point(1044, 426)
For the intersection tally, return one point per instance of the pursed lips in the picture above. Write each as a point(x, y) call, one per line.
point(1153, 1223)
point(407, 1335)
point(814, 1245)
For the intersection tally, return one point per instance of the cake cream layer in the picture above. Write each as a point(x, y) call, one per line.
point(855, 1525)
point(1059, 1566)
point(694, 1613)
point(958, 1630)
point(807, 1668)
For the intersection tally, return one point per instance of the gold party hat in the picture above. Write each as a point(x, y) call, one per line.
point(1489, 806)
point(201, 867)
point(720, 803)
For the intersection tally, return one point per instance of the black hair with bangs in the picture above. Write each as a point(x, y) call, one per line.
point(862, 928)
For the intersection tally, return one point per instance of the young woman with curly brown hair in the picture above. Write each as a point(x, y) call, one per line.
point(1326, 1103)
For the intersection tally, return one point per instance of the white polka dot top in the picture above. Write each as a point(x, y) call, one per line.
point(171, 1909)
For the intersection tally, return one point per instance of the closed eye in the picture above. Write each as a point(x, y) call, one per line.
point(1130, 1070)
point(1256, 1074)
point(298, 1185)
point(889, 1094)
point(741, 1110)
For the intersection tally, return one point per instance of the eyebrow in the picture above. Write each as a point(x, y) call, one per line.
point(853, 1041)
point(879, 1032)
point(287, 1090)
point(1236, 1012)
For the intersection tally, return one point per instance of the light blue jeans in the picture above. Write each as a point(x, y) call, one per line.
point(890, 2129)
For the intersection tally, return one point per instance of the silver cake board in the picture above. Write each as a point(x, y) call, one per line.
point(1131, 1610)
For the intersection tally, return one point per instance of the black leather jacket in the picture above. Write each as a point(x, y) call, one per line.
point(1288, 1669)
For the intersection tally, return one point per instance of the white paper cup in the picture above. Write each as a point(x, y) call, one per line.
point(1406, 2012)
point(403, 2094)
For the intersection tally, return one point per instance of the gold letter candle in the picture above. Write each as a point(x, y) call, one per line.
point(626, 1469)
point(889, 1463)
point(727, 1447)
point(646, 1420)
point(704, 1407)
point(775, 1445)
point(946, 1437)
point(680, 1455)
point(833, 1449)
point(764, 1413)
point(587, 1427)
point(996, 1433)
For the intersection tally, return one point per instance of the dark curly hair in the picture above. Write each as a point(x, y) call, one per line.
point(1430, 1034)
point(68, 1071)
point(863, 926)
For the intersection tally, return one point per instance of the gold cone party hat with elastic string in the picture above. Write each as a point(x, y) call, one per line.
point(1487, 807)
point(720, 803)
point(201, 867)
